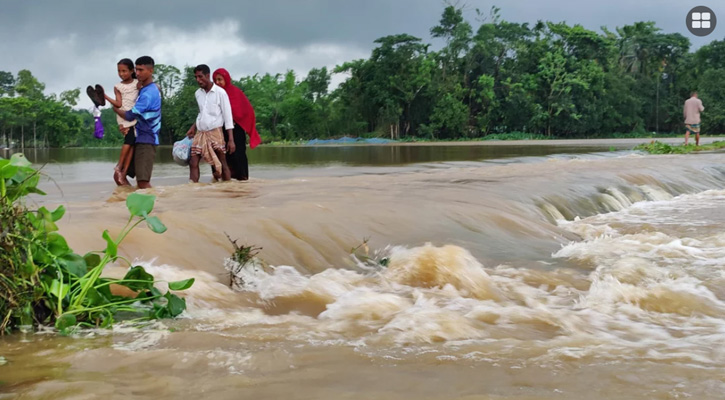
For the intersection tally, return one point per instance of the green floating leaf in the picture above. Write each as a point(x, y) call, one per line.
point(155, 224)
point(176, 304)
point(45, 220)
point(65, 321)
point(74, 263)
point(19, 160)
point(21, 175)
point(58, 289)
point(139, 204)
point(96, 298)
point(92, 260)
point(7, 171)
point(107, 321)
point(138, 273)
point(149, 294)
point(32, 181)
point(28, 269)
point(112, 247)
point(58, 213)
point(159, 311)
point(181, 285)
point(57, 245)
point(36, 191)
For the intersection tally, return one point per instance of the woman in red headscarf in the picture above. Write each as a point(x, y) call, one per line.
point(244, 121)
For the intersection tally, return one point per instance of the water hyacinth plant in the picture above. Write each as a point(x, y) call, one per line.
point(44, 282)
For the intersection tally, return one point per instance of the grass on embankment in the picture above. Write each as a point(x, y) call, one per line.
point(656, 147)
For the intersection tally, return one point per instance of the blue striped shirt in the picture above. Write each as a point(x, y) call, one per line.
point(147, 111)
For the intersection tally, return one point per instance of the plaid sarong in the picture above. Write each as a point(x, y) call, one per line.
point(206, 142)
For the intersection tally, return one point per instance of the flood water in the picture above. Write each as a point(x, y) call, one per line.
point(513, 272)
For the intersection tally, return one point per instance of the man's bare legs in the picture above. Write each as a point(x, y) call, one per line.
point(226, 173)
point(144, 185)
point(697, 137)
point(194, 167)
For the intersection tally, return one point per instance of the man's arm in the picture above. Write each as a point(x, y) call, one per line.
point(123, 114)
point(228, 121)
point(702, 108)
point(192, 131)
point(226, 110)
point(142, 105)
point(231, 146)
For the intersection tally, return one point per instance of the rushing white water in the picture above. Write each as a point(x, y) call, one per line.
point(566, 277)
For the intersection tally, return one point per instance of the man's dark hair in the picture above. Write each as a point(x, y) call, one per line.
point(694, 92)
point(203, 68)
point(145, 60)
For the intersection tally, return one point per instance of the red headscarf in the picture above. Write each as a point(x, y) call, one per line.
point(242, 111)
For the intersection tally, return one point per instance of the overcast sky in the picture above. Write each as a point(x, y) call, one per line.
point(73, 43)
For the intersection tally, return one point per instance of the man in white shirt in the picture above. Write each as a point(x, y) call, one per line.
point(215, 115)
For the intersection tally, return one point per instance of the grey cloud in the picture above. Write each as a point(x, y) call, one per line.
point(53, 37)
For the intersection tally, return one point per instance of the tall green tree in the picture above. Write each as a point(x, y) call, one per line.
point(28, 86)
point(7, 84)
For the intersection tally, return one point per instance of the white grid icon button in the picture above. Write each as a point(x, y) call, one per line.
point(701, 21)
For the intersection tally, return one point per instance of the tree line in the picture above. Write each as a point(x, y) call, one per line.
point(548, 79)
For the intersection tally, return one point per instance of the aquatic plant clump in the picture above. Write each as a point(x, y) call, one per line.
point(43, 282)
point(656, 147)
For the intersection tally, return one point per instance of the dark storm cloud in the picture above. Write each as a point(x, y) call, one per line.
point(71, 43)
point(299, 22)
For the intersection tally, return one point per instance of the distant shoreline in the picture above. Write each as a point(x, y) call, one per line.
point(536, 142)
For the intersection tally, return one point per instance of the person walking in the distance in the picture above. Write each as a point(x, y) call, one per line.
point(215, 114)
point(692, 110)
point(147, 113)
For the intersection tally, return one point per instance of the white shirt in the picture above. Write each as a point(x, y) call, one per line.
point(215, 110)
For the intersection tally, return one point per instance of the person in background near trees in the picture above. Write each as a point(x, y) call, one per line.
point(692, 110)
point(126, 94)
point(215, 114)
point(244, 121)
point(147, 114)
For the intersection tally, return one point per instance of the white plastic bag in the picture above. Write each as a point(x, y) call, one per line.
point(182, 151)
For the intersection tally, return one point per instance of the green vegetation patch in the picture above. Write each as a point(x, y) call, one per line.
point(656, 147)
point(44, 282)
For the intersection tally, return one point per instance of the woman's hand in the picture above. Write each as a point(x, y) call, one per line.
point(231, 147)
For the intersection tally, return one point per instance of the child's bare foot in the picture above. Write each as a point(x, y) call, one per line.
point(117, 177)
